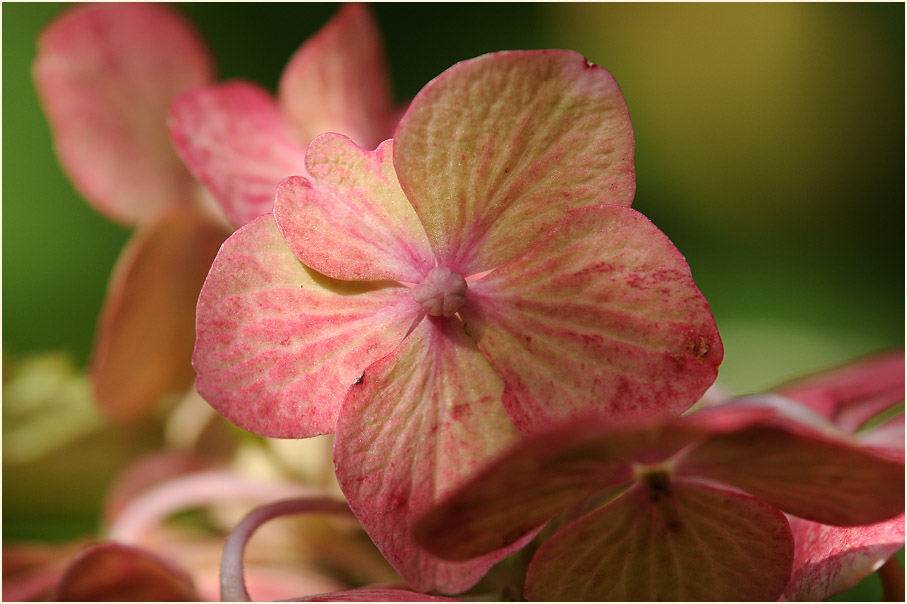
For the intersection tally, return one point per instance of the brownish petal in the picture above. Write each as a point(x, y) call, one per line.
point(146, 331)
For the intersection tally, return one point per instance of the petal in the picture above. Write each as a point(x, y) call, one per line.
point(853, 394)
point(278, 345)
point(338, 81)
point(235, 140)
point(352, 221)
point(494, 151)
point(113, 572)
point(524, 488)
point(829, 560)
point(375, 594)
point(421, 421)
point(601, 315)
point(698, 544)
point(804, 472)
point(105, 75)
point(143, 345)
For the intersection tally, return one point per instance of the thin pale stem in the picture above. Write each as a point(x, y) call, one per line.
point(892, 576)
point(232, 580)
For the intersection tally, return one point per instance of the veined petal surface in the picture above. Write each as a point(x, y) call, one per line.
point(146, 331)
point(236, 141)
point(338, 81)
point(601, 315)
point(494, 151)
point(421, 421)
point(278, 345)
point(829, 560)
point(105, 74)
point(695, 544)
point(352, 220)
point(808, 474)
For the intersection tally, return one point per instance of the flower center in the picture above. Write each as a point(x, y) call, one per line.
point(442, 293)
point(657, 479)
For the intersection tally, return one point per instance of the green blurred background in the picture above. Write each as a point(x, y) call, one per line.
point(769, 147)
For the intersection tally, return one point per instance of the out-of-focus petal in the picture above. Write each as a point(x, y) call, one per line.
point(105, 74)
point(278, 344)
point(854, 393)
point(145, 473)
point(113, 572)
point(234, 139)
point(695, 544)
point(338, 81)
point(602, 314)
point(145, 335)
point(352, 221)
point(412, 431)
point(522, 489)
point(804, 473)
point(375, 594)
point(31, 571)
point(829, 560)
point(495, 150)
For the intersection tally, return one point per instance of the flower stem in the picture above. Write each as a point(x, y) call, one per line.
point(232, 581)
point(892, 576)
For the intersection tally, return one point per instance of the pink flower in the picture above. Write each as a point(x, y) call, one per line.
point(478, 276)
point(692, 505)
point(106, 75)
point(831, 559)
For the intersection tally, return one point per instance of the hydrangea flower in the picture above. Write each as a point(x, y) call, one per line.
point(692, 505)
point(478, 276)
point(106, 76)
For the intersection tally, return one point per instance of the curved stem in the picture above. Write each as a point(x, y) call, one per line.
point(892, 576)
point(232, 581)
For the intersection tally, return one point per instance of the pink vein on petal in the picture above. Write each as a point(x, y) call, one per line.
point(352, 220)
point(278, 345)
point(421, 421)
point(602, 314)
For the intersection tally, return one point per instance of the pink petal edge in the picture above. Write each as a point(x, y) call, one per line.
point(338, 81)
point(105, 74)
point(234, 139)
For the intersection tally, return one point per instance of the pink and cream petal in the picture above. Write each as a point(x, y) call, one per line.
point(236, 141)
point(352, 221)
point(146, 331)
point(278, 345)
point(602, 315)
point(494, 151)
point(413, 430)
point(837, 482)
point(105, 74)
point(829, 560)
point(694, 544)
point(338, 81)
point(853, 394)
